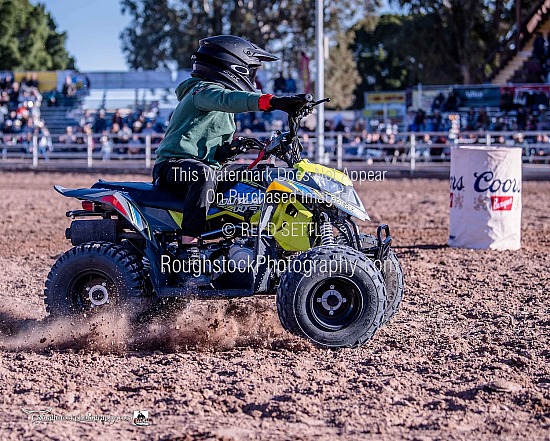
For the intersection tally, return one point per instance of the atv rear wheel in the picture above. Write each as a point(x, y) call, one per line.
point(343, 308)
point(95, 277)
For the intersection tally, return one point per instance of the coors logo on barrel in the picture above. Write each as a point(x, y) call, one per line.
point(487, 182)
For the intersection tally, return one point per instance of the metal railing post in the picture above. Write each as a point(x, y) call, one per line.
point(90, 151)
point(148, 151)
point(339, 145)
point(35, 151)
point(413, 153)
point(488, 139)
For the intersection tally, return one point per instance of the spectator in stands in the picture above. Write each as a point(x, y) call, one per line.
point(520, 99)
point(538, 47)
point(14, 95)
point(100, 123)
point(69, 88)
point(7, 82)
point(521, 118)
point(471, 119)
point(69, 137)
point(483, 120)
point(30, 81)
point(117, 118)
point(279, 85)
point(506, 100)
point(259, 125)
point(437, 121)
point(135, 145)
point(45, 145)
point(452, 103)
point(438, 102)
point(420, 121)
point(137, 126)
point(106, 146)
point(148, 129)
point(87, 118)
point(28, 127)
point(291, 86)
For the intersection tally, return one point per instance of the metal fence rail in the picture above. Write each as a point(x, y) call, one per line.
point(407, 148)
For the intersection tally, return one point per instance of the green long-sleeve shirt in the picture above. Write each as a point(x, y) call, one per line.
point(203, 120)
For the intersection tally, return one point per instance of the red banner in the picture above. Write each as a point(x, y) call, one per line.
point(304, 73)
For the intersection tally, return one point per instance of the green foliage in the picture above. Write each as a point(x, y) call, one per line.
point(29, 39)
point(341, 76)
point(166, 32)
point(465, 32)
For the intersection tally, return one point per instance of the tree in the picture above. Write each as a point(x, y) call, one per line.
point(341, 77)
point(164, 33)
point(471, 28)
point(29, 39)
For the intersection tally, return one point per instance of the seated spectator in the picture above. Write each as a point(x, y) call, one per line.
point(124, 134)
point(137, 127)
point(521, 118)
point(69, 137)
point(538, 47)
point(291, 86)
point(69, 88)
point(420, 121)
point(28, 127)
point(483, 120)
point(148, 129)
point(117, 118)
point(259, 125)
point(34, 82)
point(45, 145)
point(14, 95)
point(438, 102)
point(279, 85)
point(135, 145)
point(471, 120)
point(506, 100)
point(106, 146)
point(452, 103)
point(87, 118)
point(100, 123)
point(7, 82)
point(30, 81)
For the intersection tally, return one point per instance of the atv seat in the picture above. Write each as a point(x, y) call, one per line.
point(146, 194)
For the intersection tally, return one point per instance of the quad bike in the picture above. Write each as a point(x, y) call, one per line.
point(287, 231)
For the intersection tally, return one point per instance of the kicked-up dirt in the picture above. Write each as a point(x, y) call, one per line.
point(467, 357)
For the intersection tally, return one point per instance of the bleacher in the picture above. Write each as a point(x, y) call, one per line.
point(58, 118)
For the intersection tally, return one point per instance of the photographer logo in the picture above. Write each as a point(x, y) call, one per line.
point(141, 418)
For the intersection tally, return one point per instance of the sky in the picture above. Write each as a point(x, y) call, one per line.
point(93, 28)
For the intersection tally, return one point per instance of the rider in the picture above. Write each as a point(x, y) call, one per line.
point(198, 137)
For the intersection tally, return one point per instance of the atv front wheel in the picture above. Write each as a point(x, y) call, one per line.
point(390, 269)
point(93, 277)
point(340, 308)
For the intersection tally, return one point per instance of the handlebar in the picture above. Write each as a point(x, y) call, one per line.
point(290, 143)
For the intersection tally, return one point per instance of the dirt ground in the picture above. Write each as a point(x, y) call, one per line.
point(465, 358)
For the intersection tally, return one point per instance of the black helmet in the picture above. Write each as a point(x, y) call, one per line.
point(229, 60)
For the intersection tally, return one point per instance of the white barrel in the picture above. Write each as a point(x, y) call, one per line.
point(485, 185)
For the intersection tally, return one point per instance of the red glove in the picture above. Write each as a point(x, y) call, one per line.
point(264, 103)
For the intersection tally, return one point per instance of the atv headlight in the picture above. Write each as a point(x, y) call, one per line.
point(328, 184)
